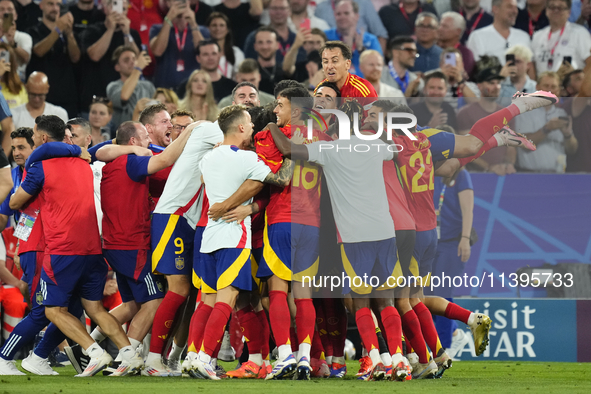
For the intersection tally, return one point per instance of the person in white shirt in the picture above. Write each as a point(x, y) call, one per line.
point(20, 41)
point(560, 41)
point(495, 39)
point(37, 89)
point(515, 73)
point(371, 63)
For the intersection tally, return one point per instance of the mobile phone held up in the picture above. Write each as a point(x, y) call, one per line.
point(510, 59)
point(305, 25)
point(5, 55)
point(118, 6)
point(450, 58)
point(7, 21)
point(567, 59)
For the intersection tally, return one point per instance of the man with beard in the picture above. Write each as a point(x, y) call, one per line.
point(266, 46)
point(434, 111)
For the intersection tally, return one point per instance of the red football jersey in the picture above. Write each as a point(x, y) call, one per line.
point(267, 150)
point(257, 224)
point(36, 241)
point(399, 210)
point(204, 208)
point(157, 183)
point(356, 87)
point(416, 168)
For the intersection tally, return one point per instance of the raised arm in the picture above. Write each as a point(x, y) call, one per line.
point(173, 151)
point(289, 150)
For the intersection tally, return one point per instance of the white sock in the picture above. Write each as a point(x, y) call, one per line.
point(374, 354)
point(214, 362)
point(94, 350)
point(500, 139)
point(175, 352)
point(97, 335)
point(134, 343)
point(364, 352)
point(338, 360)
point(125, 353)
point(386, 359)
point(397, 358)
point(204, 357)
point(152, 357)
point(267, 362)
point(284, 352)
point(329, 360)
point(256, 358)
point(304, 351)
point(472, 319)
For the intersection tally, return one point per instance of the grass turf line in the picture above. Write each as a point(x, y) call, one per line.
point(465, 376)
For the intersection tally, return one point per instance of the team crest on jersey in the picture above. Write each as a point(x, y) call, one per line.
point(160, 287)
point(39, 298)
point(179, 263)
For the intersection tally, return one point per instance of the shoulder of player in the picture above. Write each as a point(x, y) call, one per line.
point(359, 84)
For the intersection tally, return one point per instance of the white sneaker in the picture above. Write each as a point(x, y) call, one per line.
point(458, 342)
point(283, 368)
point(227, 352)
point(96, 365)
point(413, 360)
point(155, 368)
point(425, 371)
point(174, 367)
point(528, 101)
point(9, 368)
point(187, 364)
point(37, 365)
point(206, 369)
point(132, 366)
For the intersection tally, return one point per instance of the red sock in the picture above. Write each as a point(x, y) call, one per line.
point(456, 312)
point(336, 319)
point(367, 329)
point(490, 144)
point(265, 333)
point(216, 324)
point(317, 350)
point(279, 317)
point(393, 329)
point(293, 338)
point(322, 331)
point(413, 333)
point(251, 329)
point(428, 328)
point(305, 320)
point(163, 320)
point(197, 326)
point(489, 125)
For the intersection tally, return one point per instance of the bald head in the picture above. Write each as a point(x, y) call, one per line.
point(37, 89)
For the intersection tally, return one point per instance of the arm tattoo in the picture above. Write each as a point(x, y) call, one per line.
point(283, 176)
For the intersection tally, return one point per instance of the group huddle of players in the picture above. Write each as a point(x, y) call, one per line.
point(237, 209)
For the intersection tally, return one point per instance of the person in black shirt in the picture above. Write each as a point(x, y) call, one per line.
point(98, 43)
point(85, 14)
point(266, 46)
point(29, 12)
point(533, 17)
point(55, 52)
point(399, 19)
point(433, 111)
point(475, 17)
point(244, 17)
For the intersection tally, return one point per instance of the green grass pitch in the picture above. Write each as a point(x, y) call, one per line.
point(464, 377)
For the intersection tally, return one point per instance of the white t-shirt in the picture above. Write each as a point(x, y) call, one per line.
point(574, 42)
point(97, 172)
point(184, 180)
point(228, 70)
point(488, 41)
point(224, 170)
point(22, 118)
point(24, 41)
point(357, 189)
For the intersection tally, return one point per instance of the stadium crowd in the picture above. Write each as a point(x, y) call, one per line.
point(203, 192)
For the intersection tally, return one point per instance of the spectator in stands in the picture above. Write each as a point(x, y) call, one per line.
point(580, 109)
point(131, 85)
point(30, 13)
point(403, 52)
point(515, 74)
point(458, 86)
point(278, 17)
point(451, 28)
point(248, 73)
point(244, 17)
point(86, 14)
point(54, 53)
point(299, 15)
point(311, 40)
point(495, 39)
point(37, 90)
point(180, 120)
point(475, 16)
point(400, 18)
point(232, 56)
point(561, 40)
point(314, 70)
point(266, 47)
point(245, 93)
point(369, 20)
point(202, 10)
point(550, 128)
point(7, 127)
point(501, 160)
point(371, 64)
point(347, 14)
point(429, 52)
point(12, 88)
point(208, 55)
point(199, 97)
point(21, 42)
point(99, 116)
point(173, 44)
point(167, 97)
point(433, 111)
point(99, 42)
point(533, 17)
point(572, 82)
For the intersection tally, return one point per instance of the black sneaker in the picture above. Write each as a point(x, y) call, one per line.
point(77, 358)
